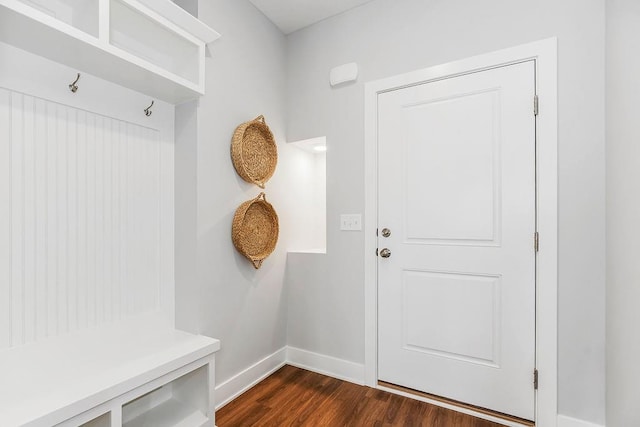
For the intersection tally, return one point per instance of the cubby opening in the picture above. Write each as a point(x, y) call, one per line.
point(138, 35)
point(81, 14)
point(101, 421)
point(183, 402)
point(310, 210)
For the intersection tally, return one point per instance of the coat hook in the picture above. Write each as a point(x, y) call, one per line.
point(73, 87)
point(147, 111)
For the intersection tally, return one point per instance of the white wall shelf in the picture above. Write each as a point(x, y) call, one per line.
point(153, 47)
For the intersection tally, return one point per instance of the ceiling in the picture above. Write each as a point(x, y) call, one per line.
point(292, 15)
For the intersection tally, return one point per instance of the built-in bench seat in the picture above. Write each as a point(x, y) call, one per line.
point(132, 373)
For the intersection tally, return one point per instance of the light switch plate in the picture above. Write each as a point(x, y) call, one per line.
point(351, 222)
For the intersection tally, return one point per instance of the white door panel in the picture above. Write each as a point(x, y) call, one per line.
point(467, 304)
point(464, 208)
point(457, 190)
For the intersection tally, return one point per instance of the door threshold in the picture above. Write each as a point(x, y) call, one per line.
point(476, 411)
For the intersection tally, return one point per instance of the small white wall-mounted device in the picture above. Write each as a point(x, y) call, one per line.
point(343, 73)
point(351, 222)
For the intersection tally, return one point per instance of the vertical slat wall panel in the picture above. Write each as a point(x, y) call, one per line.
point(17, 202)
point(131, 235)
point(82, 209)
point(107, 236)
point(81, 221)
point(91, 242)
point(116, 209)
point(123, 173)
point(166, 208)
point(29, 222)
point(39, 180)
point(125, 296)
point(99, 233)
point(5, 219)
point(51, 221)
point(73, 218)
point(62, 230)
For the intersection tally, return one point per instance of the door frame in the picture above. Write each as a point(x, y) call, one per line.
point(544, 55)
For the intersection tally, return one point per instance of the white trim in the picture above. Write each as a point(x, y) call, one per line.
point(183, 19)
point(326, 365)
point(243, 381)
point(564, 421)
point(452, 407)
point(22, 71)
point(545, 55)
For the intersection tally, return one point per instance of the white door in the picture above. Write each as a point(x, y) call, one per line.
point(456, 296)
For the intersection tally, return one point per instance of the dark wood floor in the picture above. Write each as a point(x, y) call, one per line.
point(295, 397)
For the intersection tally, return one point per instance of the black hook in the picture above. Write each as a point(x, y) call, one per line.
point(73, 87)
point(147, 111)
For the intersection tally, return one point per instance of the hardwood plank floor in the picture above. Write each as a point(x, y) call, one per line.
point(296, 397)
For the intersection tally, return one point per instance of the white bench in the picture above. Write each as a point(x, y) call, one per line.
point(133, 373)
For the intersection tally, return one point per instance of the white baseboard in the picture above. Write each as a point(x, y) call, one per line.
point(326, 365)
point(564, 421)
point(238, 384)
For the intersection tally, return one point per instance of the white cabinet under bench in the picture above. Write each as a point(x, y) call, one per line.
point(136, 373)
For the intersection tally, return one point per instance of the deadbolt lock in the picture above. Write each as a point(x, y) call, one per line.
point(386, 232)
point(385, 253)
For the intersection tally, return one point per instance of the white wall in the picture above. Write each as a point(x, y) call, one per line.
point(623, 212)
point(387, 37)
point(186, 217)
point(226, 297)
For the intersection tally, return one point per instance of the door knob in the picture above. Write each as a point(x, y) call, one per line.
point(386, 232)
point(385, 253)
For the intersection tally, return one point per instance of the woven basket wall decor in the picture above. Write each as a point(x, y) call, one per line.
point(255, 229)
point(254, 152)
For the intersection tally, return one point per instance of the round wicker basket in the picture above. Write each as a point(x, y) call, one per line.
point(255, 229)
point(254, 152)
